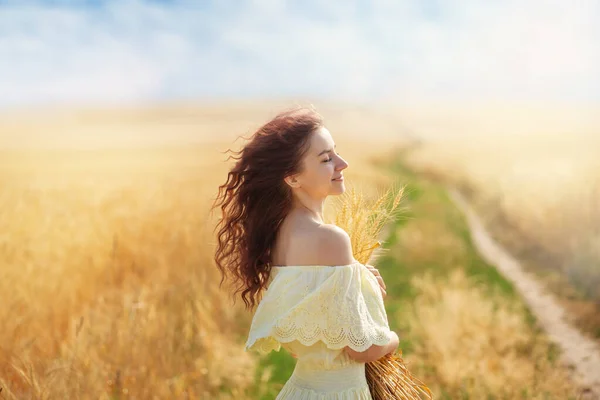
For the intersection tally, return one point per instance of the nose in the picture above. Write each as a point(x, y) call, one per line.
point(342, 164)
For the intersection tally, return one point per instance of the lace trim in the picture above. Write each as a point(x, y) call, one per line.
point(340, 306)
point(379, 336)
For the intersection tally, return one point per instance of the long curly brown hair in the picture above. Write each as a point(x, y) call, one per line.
point(255, 199)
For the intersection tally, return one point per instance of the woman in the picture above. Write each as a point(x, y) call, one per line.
point(319, 303)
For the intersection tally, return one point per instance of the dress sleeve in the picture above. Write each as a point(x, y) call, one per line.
point(340, 306)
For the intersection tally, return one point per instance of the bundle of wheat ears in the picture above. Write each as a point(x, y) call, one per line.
point(388, 377)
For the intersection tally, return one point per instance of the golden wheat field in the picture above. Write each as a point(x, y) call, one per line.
point(107, 280)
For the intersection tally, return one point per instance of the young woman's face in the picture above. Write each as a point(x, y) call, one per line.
point(322, 167)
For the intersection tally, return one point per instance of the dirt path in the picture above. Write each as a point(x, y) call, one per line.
point(581, 354)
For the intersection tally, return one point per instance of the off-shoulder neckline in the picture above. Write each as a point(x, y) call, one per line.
point(279, 267)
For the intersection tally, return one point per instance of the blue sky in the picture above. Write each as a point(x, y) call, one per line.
point(126, 51)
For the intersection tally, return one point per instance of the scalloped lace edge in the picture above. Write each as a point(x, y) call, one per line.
point(273, 342)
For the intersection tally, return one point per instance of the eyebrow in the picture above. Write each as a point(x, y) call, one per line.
point(326, 151)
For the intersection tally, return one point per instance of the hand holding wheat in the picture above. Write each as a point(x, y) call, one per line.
point(382, 286)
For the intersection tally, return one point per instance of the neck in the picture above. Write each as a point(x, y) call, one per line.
point(313, 208)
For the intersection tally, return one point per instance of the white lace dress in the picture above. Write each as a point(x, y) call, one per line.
point(314, 311)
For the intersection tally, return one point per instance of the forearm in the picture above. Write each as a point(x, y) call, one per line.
point(376, 352)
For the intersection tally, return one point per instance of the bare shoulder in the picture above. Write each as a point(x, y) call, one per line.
point(303, 241)
point(333, 245)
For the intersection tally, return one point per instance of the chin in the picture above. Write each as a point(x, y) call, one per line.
point(338, 190)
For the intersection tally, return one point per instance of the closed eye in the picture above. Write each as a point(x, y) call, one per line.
point(329, 159)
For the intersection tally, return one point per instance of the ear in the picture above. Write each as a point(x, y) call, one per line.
point(292, 181)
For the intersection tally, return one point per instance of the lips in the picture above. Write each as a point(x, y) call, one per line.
point(338, 178)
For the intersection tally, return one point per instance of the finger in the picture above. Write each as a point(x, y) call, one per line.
point(381, 282)
point(375, 272)
point(383, 293)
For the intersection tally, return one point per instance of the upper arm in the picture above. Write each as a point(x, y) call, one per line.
point(334, 246)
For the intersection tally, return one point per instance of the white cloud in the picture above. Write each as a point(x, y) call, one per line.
point(138, 50)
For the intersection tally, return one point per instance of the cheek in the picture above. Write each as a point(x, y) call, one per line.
point(327, 171)
point(320, 175)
